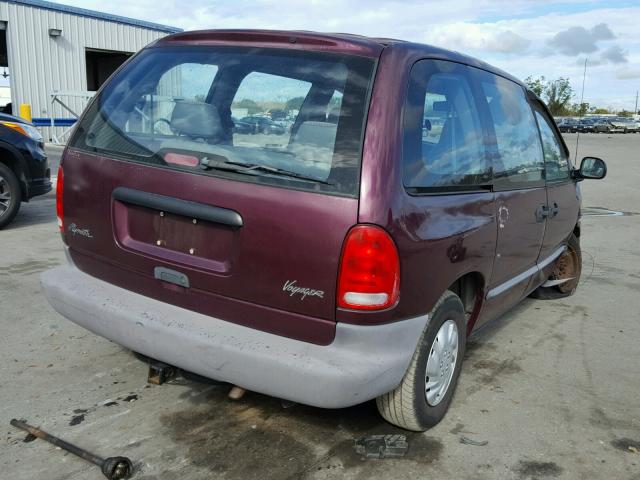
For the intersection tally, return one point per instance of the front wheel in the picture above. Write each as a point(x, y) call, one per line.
point(10, 195)
point(424, 396)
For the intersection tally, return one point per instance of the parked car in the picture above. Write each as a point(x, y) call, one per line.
point(626, 125)
point(263, 125)
point(24, 167)
point(616, 126)
point(601, 126)
point(586, 125)
point(240, 126)
point(349, 264)
point(568, 125)
point(278, 114)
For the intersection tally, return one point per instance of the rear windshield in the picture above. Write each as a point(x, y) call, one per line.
point(285, 118)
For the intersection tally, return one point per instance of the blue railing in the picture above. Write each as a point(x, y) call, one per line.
point(57, 122)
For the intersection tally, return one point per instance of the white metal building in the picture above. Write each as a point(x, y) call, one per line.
point(46, 48)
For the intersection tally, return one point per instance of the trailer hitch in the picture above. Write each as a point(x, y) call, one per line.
point(114, 468)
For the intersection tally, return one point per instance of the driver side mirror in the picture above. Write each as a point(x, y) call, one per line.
point(591, 168)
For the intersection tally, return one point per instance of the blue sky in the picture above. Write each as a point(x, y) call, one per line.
point(523, 37)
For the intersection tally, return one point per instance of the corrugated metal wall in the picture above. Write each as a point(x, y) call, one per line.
point(40, 64)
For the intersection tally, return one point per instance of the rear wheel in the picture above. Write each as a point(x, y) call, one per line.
point(424, 396)
point(565, 277)
point(10, 195)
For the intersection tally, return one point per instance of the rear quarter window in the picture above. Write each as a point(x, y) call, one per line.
point(284, 118)
point(443, 147)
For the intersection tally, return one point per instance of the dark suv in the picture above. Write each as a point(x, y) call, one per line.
point(261, 125)
point(24, 168)
point(418, 194)
point(569, 125)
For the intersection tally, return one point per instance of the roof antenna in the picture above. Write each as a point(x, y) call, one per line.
point(584, 75)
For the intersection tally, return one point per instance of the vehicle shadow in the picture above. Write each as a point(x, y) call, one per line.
point(245, 438)
point(37, 211)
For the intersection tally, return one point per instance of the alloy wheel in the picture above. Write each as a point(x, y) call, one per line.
point(5, 196)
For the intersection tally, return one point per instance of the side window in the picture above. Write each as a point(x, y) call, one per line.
point(188, 82)
point(517, 156)
point(443, 144)
point(555, 160)
point(264, 109)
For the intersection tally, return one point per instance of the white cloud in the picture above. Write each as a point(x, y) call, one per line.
point(615, 54)
point(467, 36)
point(576, 40)
point(628, 74)
point(514, 35)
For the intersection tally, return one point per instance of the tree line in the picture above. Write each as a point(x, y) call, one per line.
point(558, 96)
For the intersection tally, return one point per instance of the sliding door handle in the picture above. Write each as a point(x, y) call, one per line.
point(542, 212)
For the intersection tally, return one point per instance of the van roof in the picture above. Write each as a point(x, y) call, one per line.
point(336, 42)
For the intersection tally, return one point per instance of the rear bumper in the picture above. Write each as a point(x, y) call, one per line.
point(362, 363)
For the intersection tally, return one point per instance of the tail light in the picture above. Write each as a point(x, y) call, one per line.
point(369, 277)
point(59, 198)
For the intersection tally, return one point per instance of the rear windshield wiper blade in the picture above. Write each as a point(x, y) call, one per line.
point(252, 168)
point(208, 164)
point(288, 173)
point(277, 171)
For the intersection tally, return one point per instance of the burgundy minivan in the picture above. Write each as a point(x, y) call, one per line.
point(392, 198)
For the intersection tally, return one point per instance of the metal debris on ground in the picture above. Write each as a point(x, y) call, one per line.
point(476, 443)
point(382, 446)
point(160, 373)
point(114, 468)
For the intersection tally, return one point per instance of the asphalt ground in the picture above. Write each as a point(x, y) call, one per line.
point(552, 387)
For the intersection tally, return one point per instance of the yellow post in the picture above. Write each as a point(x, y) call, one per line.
point(25, 112)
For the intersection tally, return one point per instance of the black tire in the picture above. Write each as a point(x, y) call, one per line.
point(407, 405)
point(9, 187)
point(573, 254)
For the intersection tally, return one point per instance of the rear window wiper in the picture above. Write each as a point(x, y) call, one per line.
point(208, 164)
point(248, 168)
